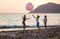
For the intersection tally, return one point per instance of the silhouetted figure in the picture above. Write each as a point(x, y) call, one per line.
point(37, 21)
point(23, 22)
point(45, 21)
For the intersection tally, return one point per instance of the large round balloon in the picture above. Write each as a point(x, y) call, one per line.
point(29, 6)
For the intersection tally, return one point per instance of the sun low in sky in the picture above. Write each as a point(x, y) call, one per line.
point(22, 6)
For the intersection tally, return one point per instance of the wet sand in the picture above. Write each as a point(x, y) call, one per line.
point(50, 33)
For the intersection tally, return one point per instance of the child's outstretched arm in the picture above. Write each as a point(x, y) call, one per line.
point(33, 16)
point(28, 18)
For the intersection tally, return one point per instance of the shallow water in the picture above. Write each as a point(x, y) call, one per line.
point(16, 19)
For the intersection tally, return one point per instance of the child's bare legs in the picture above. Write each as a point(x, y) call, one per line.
point(38, 27)
point(45, 25)
point(24, 26)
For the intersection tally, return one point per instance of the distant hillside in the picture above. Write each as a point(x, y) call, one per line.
point(47, 8)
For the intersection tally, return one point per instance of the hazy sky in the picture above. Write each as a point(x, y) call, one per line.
point(18, 6)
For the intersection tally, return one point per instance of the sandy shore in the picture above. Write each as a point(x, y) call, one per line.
point(50, 33)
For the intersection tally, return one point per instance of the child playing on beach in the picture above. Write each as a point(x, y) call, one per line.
point(45, 21)
point(37, 21)
point(23, 22)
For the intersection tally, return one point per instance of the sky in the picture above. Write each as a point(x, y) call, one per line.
point(19, 6)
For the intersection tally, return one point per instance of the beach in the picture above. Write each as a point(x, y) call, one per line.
point(49, 33)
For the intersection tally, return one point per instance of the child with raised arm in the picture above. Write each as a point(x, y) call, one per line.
point(37, 21)
point(45, 21)
point(23, 22)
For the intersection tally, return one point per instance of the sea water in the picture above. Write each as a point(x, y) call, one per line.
point(11, 19)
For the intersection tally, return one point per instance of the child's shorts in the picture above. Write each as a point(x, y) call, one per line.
point(38, 24)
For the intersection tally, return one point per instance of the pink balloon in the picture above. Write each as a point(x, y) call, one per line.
point(29, 7)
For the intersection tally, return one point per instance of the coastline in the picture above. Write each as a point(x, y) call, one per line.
point(15, 27)
point(49, 33)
